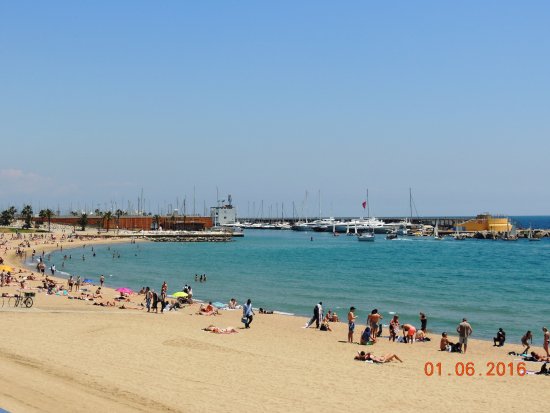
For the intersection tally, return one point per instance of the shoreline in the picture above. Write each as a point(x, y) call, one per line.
point(103, 241)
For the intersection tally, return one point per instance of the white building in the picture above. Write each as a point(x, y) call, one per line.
point(224, 215)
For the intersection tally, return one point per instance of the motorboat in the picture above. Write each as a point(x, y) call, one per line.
point(366, 236)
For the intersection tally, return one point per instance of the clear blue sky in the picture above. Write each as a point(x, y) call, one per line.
point(265, 100)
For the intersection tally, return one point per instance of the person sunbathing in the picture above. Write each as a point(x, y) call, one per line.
point(228, 330)
point(106, 304)
point(538, 357)
point(208, 309)
point(362, 356)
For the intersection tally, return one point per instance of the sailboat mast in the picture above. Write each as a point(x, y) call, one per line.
point(319, 204)
point(368, 204)
point(411, 203)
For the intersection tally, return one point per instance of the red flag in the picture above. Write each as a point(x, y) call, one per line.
point(364, 204)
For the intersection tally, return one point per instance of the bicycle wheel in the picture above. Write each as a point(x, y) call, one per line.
point(17, 301)
point(28, 302)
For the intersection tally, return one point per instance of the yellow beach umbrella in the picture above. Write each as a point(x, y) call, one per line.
point(6, 268)
point(180, 294)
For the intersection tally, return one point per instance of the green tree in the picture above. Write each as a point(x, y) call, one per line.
point(7, 216)
point(47, 214)
point(26, 214)
point(106, 218)
point(118, 214)
point(83, 221)
point(156, 221)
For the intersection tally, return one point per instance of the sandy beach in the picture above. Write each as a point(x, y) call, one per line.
point(66, 355)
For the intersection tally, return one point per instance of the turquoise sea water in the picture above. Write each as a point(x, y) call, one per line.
point(492, 283)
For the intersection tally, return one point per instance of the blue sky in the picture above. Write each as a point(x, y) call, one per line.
point(268, 100)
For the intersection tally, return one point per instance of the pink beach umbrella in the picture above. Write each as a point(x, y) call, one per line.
point(124, 290)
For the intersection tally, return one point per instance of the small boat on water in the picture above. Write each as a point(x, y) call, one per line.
point(366, 236)
point(392, 235)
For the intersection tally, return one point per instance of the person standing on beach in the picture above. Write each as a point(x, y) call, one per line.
point(317, 315)
point(423, 322)
point(148, 297)
point(248, 312)
point(546, 340)
point(70, 282)
point(372, 320)
point(155, 298)
point(394, 327)
point(351, 323)
point(163, 291)
point(101, 280)
point(526, 341)
point(464, 331)
point(77, 284)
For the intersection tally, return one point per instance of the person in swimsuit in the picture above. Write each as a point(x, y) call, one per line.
point(445, 344)
point(408, 333)
point(464, 331)
point(362, 356)
point(526, 341)
point(372, 320)
point(423, 322)
point(351, 324)
point(394, 328)
point(546, 340)
point(539, 357)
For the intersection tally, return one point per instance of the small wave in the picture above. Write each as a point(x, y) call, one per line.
point(62, 272)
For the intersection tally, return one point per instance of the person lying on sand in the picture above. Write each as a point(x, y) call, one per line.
point(264, 311)
point(105, 304)
point(228, 330)
point(537, 357)
point(362, 356)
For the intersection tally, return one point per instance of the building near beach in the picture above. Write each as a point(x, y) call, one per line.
point(486, 222)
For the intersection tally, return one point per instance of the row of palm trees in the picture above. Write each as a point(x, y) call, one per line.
point(8, 216)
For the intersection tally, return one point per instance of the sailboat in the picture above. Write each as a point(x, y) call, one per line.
point(458, 236)
point(366, 235)
point(530, 235)
point(436, 231)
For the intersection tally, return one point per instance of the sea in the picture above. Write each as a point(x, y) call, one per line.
point(491, 283)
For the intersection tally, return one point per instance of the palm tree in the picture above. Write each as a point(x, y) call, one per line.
point(26, 214)
point(47, 214)
point(107, 217)
point(118, 214)
point(83, 221)
point(156, 221)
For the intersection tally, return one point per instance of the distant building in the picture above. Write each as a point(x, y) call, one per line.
point(223, 215)
point(486, 222)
